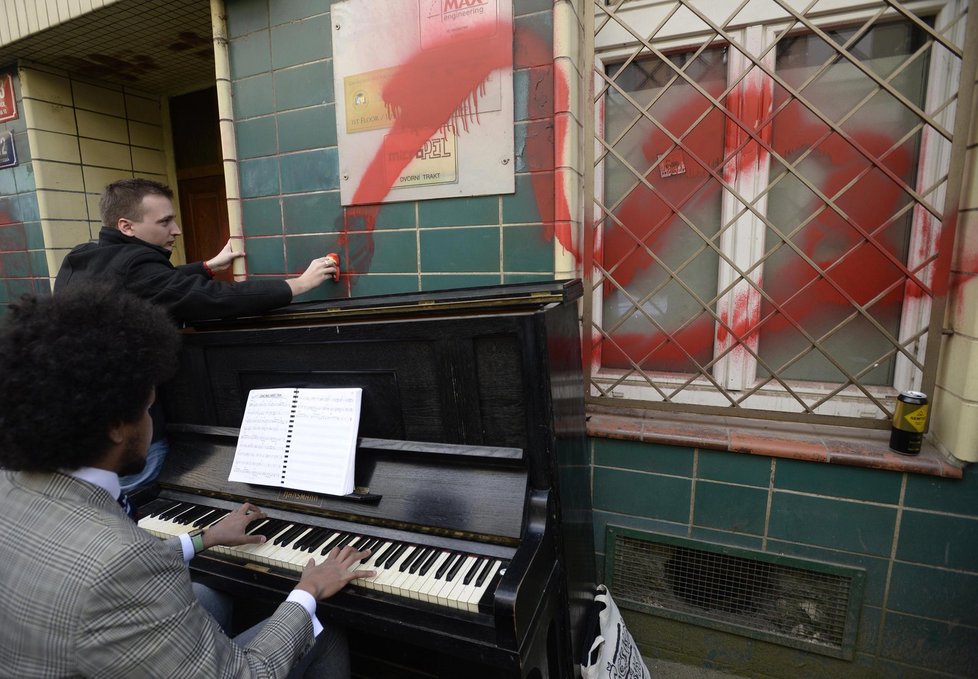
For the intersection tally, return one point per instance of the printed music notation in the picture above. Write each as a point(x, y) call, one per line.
point(304, 439)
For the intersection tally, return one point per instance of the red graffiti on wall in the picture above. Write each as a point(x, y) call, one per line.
point(838, 257)
point(438, 87)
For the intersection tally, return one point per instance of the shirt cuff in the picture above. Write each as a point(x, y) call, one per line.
point(188, 547)
point(306, 600)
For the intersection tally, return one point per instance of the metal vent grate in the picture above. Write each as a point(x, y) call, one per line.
point(790, 601)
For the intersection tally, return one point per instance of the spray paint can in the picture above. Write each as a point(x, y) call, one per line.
point(909, 422)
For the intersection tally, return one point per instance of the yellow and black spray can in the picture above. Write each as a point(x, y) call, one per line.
point(909, 422)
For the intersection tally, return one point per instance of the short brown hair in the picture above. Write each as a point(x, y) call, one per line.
point(124, 199)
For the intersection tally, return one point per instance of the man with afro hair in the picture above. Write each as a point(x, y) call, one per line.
point(83, 590)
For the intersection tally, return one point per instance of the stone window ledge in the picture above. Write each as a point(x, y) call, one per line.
point(796, 441)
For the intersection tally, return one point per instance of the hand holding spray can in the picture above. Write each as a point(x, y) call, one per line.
point(909, 422)
point(335, 259)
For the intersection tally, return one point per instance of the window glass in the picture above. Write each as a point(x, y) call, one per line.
point(809, 232)
point(662, 208)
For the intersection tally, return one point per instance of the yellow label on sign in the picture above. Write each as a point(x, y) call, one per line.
point(365, 106)
point(917, 419)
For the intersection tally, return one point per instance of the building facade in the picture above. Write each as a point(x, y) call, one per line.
point(773, 206)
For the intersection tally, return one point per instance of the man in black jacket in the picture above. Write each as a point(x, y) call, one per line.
point(133, 251)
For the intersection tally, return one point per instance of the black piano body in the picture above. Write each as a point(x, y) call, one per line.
point(471, 439)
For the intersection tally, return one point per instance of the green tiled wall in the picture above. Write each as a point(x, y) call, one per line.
point(285, 124)
point(23, 264)
point(916, 538)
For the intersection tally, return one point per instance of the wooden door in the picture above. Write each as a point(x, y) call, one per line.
point(204, 218)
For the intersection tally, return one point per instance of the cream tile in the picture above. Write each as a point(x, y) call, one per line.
point(148, 161)
point(143, 109)
point(954, 424)
point(965, 256)
point(567, 88)
point(45, 86)
point(91, 202)
point(100, 99)
point(959, 367)
point(60, 176)
point(103, 127)
point(61, 205)
point(969, 192)
point(53, 146)
point(65, 234)
point(143, 134)
point(567, 32)
point(50, 117)
point(567, 140)
point(97, 178)
point(962, 314)
point(105, 154)
point(55, 258)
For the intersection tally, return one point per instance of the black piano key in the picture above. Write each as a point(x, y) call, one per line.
point(177, 510)
point(411, 555)
point(389, 561)
point(192, 515)
point(333, 542)
point(154, 507)
point(367, 546)
point(212, 518)
point(448, 563)
point(345, 540)
point(453, 571)
point(311, 540)
point(253, 528)
point(469, 574)
point(419, 559)
point(271, 528)
point(426, 566)
point(488, 600)
point(483, 572)
point(359, 542)
point(384, 553)
point(289, 535)
point(372, 544)
point(201, 515)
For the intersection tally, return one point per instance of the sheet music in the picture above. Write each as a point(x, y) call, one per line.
point(303, 439)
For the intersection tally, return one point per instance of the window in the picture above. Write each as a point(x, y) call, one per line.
point(768, 201)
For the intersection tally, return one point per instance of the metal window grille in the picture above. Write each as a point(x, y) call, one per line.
point(773, 203)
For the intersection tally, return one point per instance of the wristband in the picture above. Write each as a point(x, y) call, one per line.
point(197, 540)
point(209, 271)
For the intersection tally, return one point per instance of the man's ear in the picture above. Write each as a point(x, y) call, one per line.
point(117, 433)
point(125, 226)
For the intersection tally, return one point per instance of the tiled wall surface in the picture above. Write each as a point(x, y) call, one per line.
point(23, 267)
point(83, 136)
point(285, 123)
point(915, 536)
point(956, 408)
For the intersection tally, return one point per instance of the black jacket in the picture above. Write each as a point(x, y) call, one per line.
point(187, 292)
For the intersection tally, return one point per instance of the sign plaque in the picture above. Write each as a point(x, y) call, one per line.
point(8, 106)
point(8, 154)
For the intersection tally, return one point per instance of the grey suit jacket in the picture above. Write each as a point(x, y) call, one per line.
point(86, 592)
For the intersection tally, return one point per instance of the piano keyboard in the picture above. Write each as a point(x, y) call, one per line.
point(447, 578)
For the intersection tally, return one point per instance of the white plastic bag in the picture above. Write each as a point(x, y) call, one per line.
point(612, 653)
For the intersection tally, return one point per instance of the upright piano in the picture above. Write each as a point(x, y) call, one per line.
point(471, 460)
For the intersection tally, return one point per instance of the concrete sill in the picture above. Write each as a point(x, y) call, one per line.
point(811, 442)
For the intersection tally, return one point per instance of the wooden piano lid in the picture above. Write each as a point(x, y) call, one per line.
point(484, 299)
